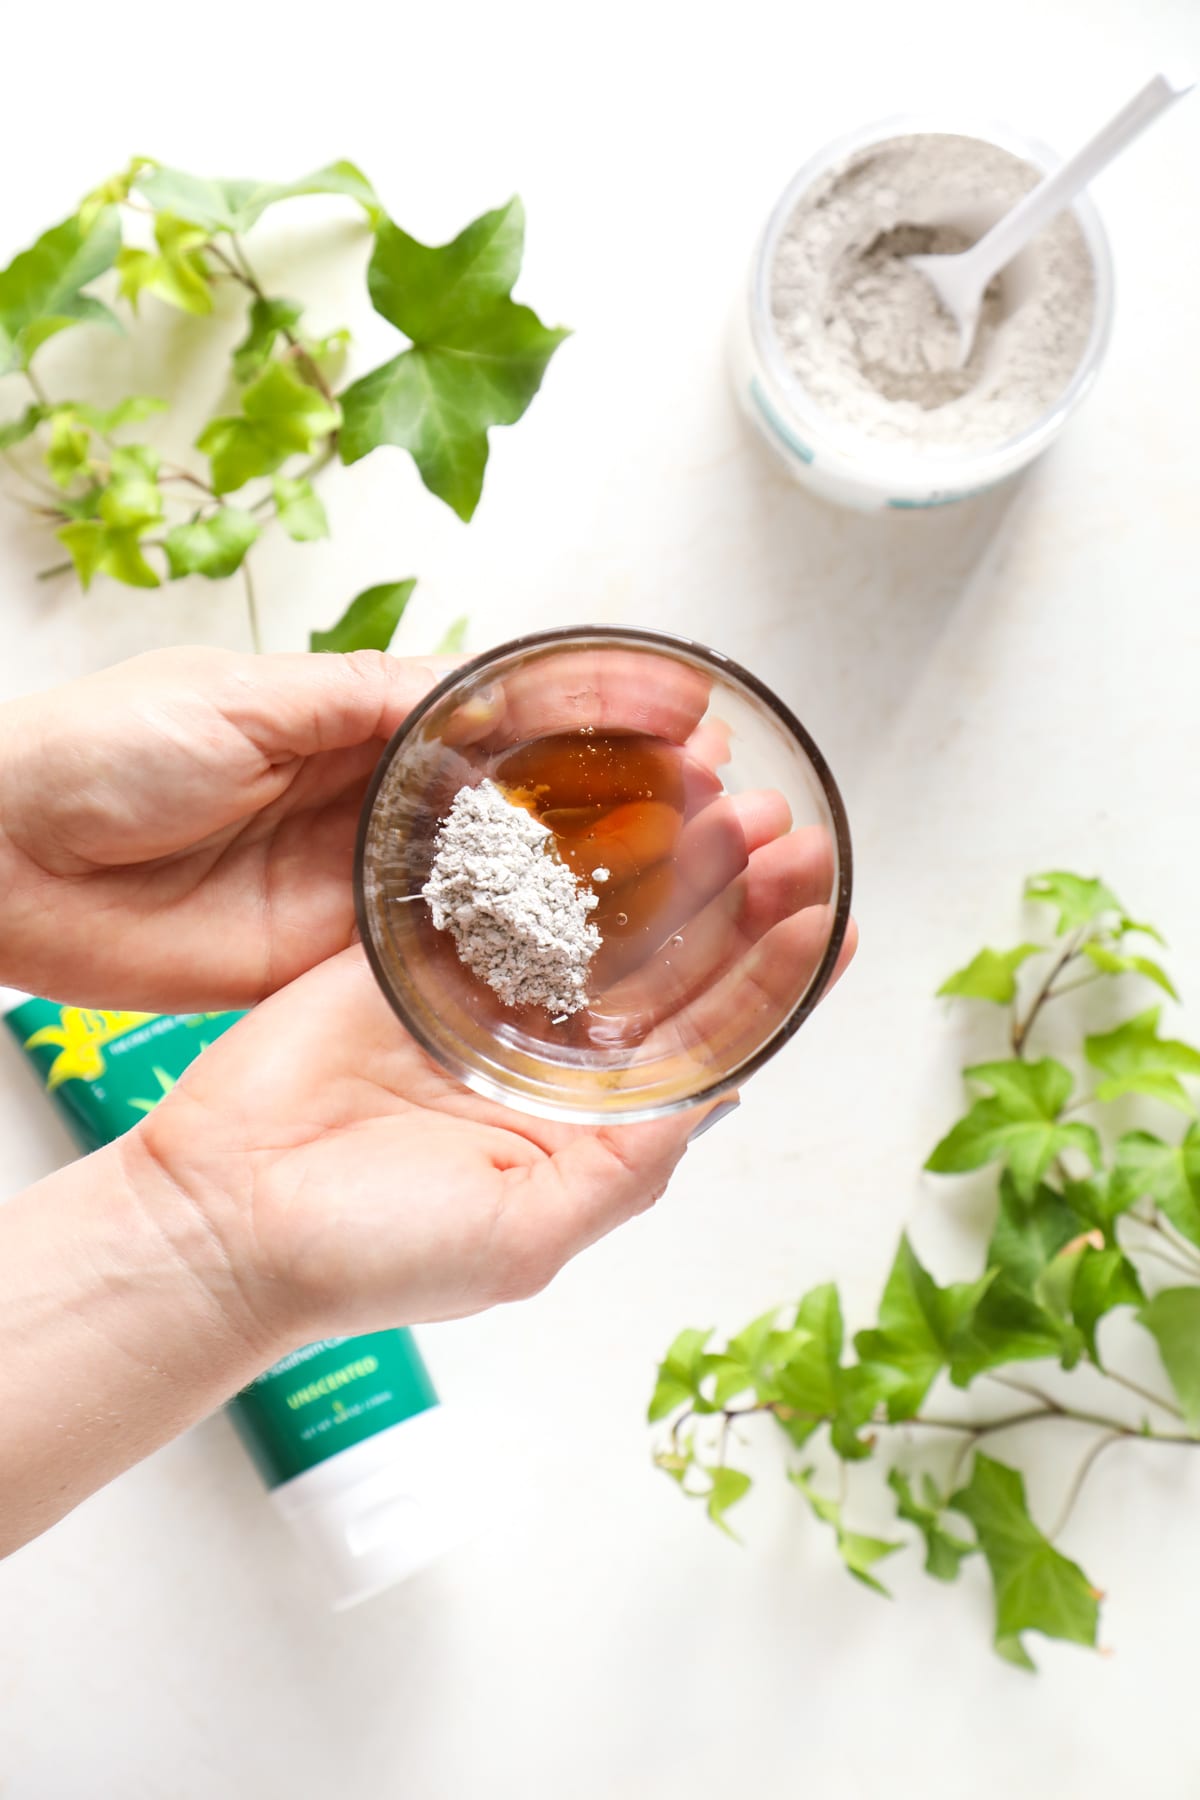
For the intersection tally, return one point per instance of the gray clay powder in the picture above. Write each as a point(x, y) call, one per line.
point(518, 917)
point(865, 334)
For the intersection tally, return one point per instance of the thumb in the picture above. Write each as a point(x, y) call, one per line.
point(300, 704)
point(596, 1180)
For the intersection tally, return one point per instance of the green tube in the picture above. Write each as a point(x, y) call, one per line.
point(347, 1433)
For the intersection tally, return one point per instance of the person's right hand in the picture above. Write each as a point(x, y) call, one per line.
point(352, 1184)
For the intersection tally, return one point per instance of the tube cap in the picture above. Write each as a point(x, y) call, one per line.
point(379, 1511)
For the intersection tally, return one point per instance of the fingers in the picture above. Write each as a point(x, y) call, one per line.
point(783, 876)
point(605, 687)
point(299, 705)
point(712, 851)
point(756, 995)
point(711, 744)
point(595, 1180)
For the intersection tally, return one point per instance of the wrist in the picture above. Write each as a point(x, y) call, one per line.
point(121, 1326)
point(195, 1249)
point(211, 1190)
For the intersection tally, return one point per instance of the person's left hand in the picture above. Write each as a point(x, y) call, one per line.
point(176, 833)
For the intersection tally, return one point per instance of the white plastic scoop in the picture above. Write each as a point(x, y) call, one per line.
point(959, 281)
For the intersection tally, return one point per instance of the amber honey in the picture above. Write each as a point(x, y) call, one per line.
point(617, 802)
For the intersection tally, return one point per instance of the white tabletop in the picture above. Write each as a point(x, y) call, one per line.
point(1000, 687)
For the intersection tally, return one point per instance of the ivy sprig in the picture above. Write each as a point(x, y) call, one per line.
point(1083, 1226)
point(474, 358)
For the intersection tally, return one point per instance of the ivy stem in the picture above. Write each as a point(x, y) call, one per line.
point(1176, 1239)
point(43, 489)
point(1144, 1393)
point(308, 473)
point(1029, 1391)
point(1073, 987)
point(176, 472)
point(1180, 1267)
point(1081, 1474)
point(1022, 1027)
point(252, 608)
point(237, 265)
point(1183, 1256)
point(993, 1425)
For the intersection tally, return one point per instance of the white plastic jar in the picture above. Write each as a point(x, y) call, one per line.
point(844, 464)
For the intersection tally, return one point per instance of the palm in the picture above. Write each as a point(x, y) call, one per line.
point(402, 1195)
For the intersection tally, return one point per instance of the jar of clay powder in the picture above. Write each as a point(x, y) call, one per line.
point(845, 362)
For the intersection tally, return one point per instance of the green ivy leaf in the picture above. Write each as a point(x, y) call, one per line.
point(1017, 1125)
point(752, 1359)
point(476, 358)
point(859, 1553)
point(177, 273)
point(1104, 1280)
point(298, 509)
point(1098, 1202)
point(1166, 1174)
point(1079, 900)
point(1138, 1061)
point(41, 289)
point(802, 1373)
point(370, 620)
point(918, 1324)
point(281, 416)
point(17, 430)
point(676, 1463)
point(806, 1380)
point(1028, 1234)
point(1127, 925)
point(130, 411)
point(1119, 962)
point(218, 205)
point(67, 454)
point(728, 1487)
point(1009, 1325)
point(1036, 1588)
point(679, 1374)
point(944, 1552)
point(1173, 1320)
point(269, 319)
point(454, 640)
point(131, 498)
point(99, 549)
point(214, 547)
point(112, 192)
point(329, 352)
point(992, 975)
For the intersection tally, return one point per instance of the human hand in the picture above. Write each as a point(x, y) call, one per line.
point(351, 1184)
point(177, 832)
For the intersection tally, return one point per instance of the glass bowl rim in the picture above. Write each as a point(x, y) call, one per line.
point(563, 637)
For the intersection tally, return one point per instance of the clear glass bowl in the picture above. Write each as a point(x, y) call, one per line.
point(713, 955)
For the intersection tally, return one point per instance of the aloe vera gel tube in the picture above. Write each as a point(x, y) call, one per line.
point(347, 1433)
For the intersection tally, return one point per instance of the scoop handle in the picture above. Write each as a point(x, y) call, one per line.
point(1011, 233)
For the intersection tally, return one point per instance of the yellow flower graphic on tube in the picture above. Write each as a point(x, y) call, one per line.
point(80, 1039)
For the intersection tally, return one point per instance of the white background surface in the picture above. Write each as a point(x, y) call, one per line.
point(999, 688)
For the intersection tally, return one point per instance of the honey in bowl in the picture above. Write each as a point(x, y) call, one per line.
point(617, 803)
